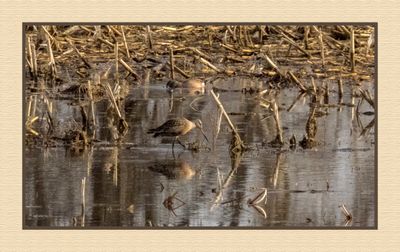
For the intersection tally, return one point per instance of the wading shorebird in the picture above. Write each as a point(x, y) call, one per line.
point(177, 127)
point(190, 83)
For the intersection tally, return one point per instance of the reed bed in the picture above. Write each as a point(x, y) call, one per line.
point(90, 63)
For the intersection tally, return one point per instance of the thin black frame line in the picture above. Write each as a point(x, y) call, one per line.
point(375, 227)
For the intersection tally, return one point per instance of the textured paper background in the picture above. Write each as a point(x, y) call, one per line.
point(13, 13)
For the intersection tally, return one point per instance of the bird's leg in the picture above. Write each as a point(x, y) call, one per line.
point(177, 139)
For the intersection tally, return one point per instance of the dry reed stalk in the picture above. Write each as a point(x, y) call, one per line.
point(171, 62)
point(261, 34)
point(32, 58)
point(116, 64)
point(108, 43)
point(221, 107)
point(352, 51)
point(91, 104)
point(248, 40)
point(229, 48)
point(52, 62)
point(125, 43)
point(232, 32)
point(241, 42)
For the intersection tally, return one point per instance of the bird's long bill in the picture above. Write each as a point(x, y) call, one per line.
point(204, 135)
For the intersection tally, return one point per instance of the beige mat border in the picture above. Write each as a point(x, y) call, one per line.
point(13, 13)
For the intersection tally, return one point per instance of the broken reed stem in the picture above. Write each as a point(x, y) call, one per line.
point(352, 51)
point(226, 116)
point(277, 122)
point(180, 71)
point(306, 32)
point(79, 53)
point(114, 30)
point(260, 197)
point(274, 66)
point(128, 68)
point(229, 48)
point(171, 63)
point(201, 54)
point(346, 212)
point(326, 93)
point(116, 64)
point(367, 96)
point(294, 78)
point(340, 88)
point(314, 86)
point(149, 37)
point(290, 41)
point(91, 103)
point(32, 58)
point(321, 42)
point(210, 65)
point(125, 43)
point(113, 101)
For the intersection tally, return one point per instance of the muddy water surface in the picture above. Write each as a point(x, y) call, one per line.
point(127, 183)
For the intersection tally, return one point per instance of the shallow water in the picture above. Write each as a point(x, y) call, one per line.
point(126, 184)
